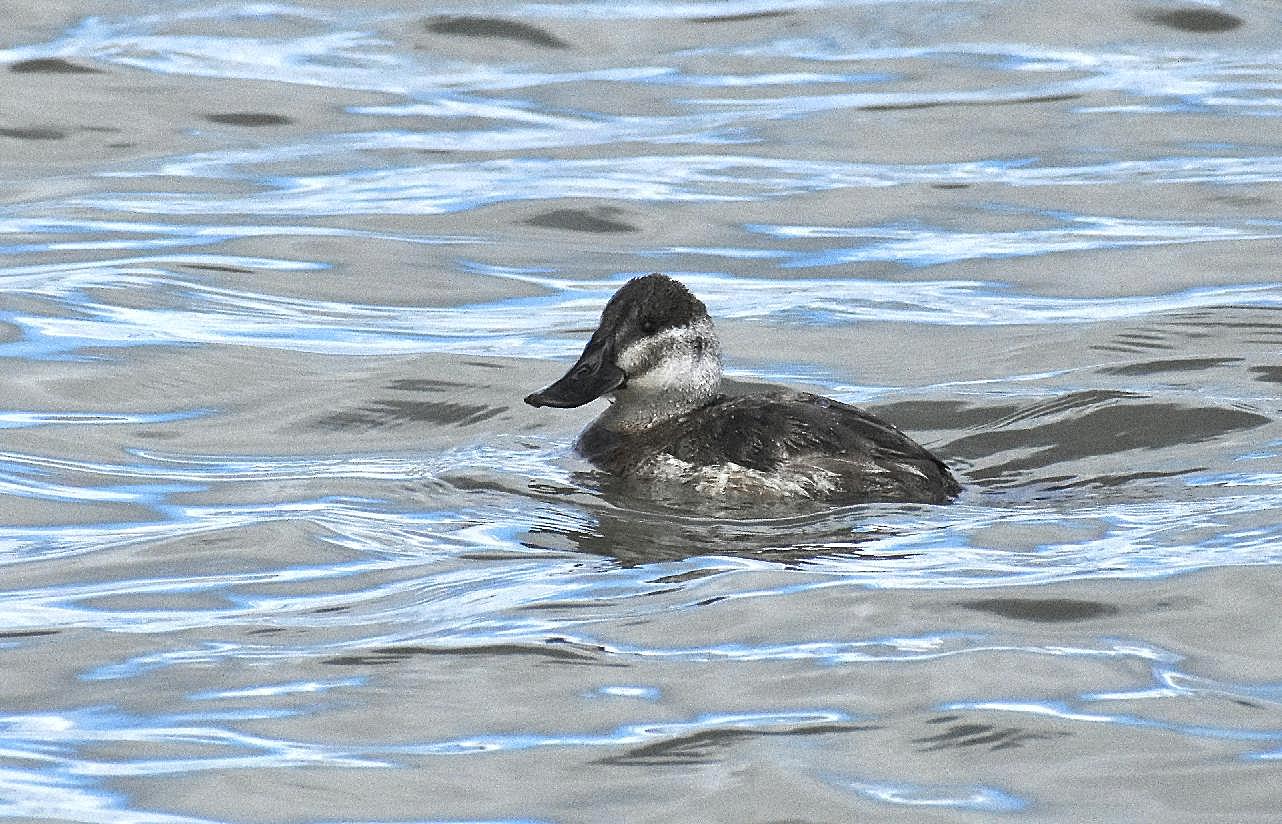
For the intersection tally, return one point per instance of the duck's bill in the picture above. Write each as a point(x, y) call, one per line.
point(594, 375)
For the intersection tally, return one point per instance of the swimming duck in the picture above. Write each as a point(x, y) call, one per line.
point(656, 353)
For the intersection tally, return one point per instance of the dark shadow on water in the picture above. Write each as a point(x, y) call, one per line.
point(683, 577)
point(426, 385)
point(1158, 367)
point(967, 735)
point(51, 65)
point(600, 220)
point(386, 413)
point(1267, 374)
point(1192, 19)
point(389, 412)
point(742, 18)
point(1129, 342)
point(1174, 332)
point(1263, 322)
point(918, 416)
point(1087, 424)
point(709, 746)
point(1106, 481)
point(249, 119)
point(553, 650)
point(32, 134)
point(213, 267)
point(935, 104)
point(1042, 610)
point(493, 27)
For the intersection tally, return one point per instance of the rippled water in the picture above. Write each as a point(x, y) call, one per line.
point(282, 544)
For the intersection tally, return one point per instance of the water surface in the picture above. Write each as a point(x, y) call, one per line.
point(282, 544)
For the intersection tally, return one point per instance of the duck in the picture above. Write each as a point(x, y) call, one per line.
point(656, 355)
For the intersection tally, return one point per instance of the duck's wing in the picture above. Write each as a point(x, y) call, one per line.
point(767, 432)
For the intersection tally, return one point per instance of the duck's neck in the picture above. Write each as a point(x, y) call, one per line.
point(686, 377)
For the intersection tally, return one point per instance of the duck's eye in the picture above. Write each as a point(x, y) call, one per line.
point(648, 326)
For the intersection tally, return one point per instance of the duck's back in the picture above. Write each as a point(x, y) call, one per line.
point(782, 445)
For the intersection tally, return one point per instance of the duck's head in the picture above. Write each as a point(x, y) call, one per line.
point(655, 349)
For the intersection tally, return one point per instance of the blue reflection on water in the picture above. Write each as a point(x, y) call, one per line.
point(623, 691)
point(531, 326)
point(1064, 712)
point(969, 798)
point(21, 420)
point(447, 187)
point(921, 246)
point(276, 690)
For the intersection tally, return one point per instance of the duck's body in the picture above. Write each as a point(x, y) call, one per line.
point(792, 445)
point(656, 351)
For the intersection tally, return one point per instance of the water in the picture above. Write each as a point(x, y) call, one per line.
point(281, 543)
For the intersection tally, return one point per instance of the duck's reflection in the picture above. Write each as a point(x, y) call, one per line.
point(639, 529)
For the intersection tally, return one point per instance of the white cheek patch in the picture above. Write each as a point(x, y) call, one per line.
point(662, 361)
point(669, 373)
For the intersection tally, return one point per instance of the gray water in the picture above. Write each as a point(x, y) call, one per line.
point(281, 544)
